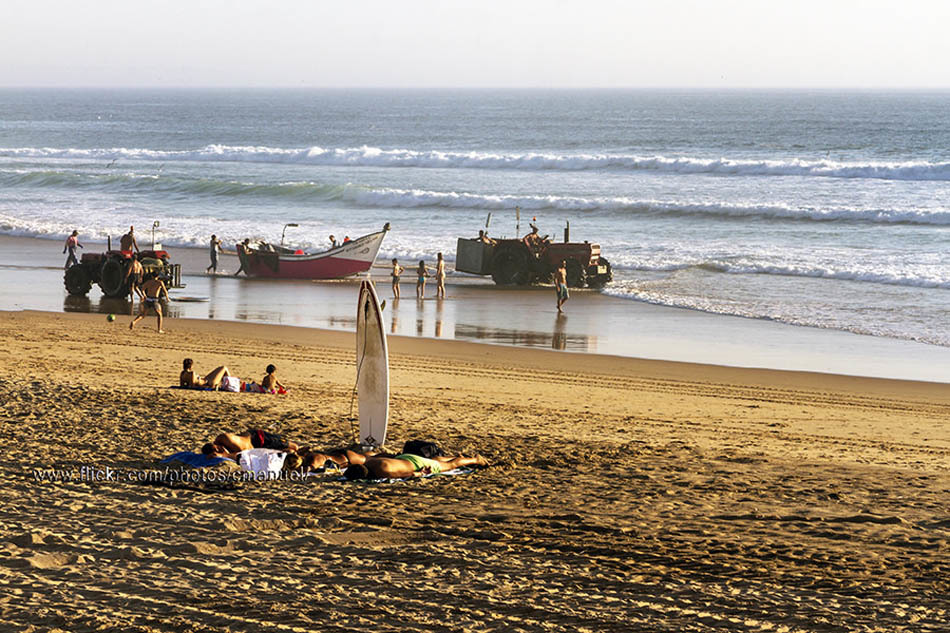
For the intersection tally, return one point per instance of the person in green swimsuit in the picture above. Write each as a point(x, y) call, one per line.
point(407, 466)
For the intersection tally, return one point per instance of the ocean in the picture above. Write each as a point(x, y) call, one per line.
point(821, 209)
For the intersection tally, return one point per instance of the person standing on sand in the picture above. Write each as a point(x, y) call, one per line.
point(243, 256)
point(152, 292)
point(440, 278)
point(127, 242)
point(560, 285)
point(397, 270)
point(71, 243)
point(422, 273)
point(215, 247)
point(134, 277)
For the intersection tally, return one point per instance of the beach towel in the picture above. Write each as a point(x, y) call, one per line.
point(446, 473)
point(234, 385)
point(194, 460)
point(253, 387)
point(265, 462)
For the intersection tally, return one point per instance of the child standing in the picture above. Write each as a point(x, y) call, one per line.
point(422, 273)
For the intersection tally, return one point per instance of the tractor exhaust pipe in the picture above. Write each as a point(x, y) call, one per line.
point(567, 232)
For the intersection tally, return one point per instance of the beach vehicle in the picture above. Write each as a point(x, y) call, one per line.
point(529, 261)
point(262, 259)
point(110, 271)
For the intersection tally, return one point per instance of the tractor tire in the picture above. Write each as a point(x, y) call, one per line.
point(599, 281)
point(112, 279)
point(77, 280)
point(510, 268)
point(576, 275)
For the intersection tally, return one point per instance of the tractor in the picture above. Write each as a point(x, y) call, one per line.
point(533, 259)
point(111, 271)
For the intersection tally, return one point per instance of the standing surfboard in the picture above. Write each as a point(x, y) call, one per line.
point(372, 368)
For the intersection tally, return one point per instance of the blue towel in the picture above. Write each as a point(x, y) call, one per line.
point(195, 460)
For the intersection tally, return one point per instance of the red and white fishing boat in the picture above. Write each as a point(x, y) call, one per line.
point(261, 259)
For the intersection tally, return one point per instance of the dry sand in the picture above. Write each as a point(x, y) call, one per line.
point(626, 495)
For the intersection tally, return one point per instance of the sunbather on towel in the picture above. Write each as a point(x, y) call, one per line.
point(253, 438)
point(408, 466)
point(188, 379)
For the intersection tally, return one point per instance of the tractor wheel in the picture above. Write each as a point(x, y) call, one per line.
point(77, 280)
point(510, 268)
point(113, 280)
point(599, 281)
point(576, 275)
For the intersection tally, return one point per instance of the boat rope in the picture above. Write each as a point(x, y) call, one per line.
point(354, 430)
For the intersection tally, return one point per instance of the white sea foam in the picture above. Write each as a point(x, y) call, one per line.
point(377, 157)
point(396, 198)
point(414, 198)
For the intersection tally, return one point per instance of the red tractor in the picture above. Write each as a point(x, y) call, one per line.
point(111, 271)
point(533, 259)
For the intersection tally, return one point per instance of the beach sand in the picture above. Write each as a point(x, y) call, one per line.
point(625, 494)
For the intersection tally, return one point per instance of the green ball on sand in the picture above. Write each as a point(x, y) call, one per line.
point(110, 318)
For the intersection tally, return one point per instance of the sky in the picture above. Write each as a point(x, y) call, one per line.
point(480, 43)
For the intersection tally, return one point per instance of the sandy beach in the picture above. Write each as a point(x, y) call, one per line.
point(625, 494)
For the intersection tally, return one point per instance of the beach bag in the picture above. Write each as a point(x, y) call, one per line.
point(422, 448)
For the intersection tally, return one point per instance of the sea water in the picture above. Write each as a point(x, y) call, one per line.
point(823, 209)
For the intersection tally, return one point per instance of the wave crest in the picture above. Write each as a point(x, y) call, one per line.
point(366, 156)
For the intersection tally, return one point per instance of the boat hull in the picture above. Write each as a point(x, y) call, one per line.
point(351, 258)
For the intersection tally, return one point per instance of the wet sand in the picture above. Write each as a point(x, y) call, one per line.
point(477, 310)
point(625, 495)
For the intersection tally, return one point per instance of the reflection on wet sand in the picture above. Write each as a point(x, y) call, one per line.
point(561, 341)
point(112, 305)
point(438, 319)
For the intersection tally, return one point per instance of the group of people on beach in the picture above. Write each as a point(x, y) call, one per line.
point(354, 462)
point(423, 273)
point(220, 378)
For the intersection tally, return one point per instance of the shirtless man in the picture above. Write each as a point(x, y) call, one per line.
point(408, 466)
point(440, 278)
point(152, 291)
point(188, 380)
point(127, 242)
point(560, 285)
point(253, 438)
point(134, 276)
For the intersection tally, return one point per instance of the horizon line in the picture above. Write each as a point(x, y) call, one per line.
point(854, 88)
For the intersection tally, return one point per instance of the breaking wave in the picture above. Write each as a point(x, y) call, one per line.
point(377, 157)
point(394, 198)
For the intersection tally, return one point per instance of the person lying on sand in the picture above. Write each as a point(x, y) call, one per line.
point(188, 380)
point(253, 438)
point(292, 461)
point(408, 466)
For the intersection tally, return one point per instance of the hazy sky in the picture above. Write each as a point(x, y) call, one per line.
point(479, 43)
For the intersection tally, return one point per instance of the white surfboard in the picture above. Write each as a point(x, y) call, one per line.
point(372, 368)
